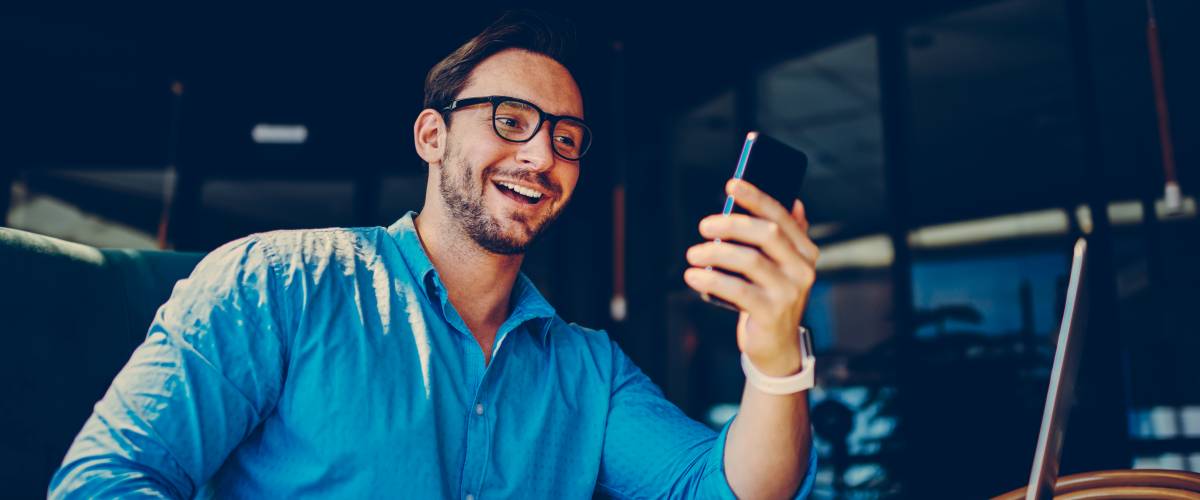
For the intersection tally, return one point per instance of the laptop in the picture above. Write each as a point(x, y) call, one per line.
point(1060, 393)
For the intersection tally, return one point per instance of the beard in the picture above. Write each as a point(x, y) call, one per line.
point(464, 194)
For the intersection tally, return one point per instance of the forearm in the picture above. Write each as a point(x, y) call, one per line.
point(767, 449)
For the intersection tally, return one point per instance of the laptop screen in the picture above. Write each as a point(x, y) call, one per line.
point(1060, 392)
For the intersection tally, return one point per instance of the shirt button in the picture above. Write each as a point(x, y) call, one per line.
point(478, 411)
point(470, 496)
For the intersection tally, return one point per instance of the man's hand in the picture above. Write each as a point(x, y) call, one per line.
point(779, 262)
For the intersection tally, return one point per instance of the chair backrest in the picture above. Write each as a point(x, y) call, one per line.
point(70, 315)
point(1123, 484)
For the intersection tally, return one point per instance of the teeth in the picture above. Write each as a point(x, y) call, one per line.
point(522, 190)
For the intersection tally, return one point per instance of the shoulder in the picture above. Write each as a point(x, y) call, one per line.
point(592, 343)
point(594, 353)
point(336, 242)
point(312, 251)
point(292, 259)
point(576, 333)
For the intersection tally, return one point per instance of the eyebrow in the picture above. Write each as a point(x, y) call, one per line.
point(540, 105)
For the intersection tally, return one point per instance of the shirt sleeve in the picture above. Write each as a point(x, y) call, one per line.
point(653, 450)
point(209, 370)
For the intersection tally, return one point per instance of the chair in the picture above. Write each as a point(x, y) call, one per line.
point(70, 316)
point(1123, 484)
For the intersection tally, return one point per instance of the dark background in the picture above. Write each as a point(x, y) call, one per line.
point(958, 149)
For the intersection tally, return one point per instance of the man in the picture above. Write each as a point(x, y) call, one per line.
point(416, 361)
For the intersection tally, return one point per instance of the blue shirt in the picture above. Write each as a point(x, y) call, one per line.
point(331, 363)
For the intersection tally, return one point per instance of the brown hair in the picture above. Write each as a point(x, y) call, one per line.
point(537, 32)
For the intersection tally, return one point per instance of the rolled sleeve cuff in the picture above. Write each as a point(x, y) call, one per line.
point(717, 463)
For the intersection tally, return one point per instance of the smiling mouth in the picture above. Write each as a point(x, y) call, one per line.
point(518, 193)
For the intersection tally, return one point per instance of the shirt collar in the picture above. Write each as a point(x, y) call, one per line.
point(528, 304)
point(413, 251)
point(526, 301)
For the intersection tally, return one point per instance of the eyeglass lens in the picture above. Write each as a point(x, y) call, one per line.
point(517, 121)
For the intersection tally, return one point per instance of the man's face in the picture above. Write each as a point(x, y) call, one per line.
point(478, 163)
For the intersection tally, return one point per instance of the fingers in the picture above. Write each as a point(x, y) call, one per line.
point(763, 235)
point(800, 216)
point(762, 205)
point(767, 235)
point(741, 259)
point(806, 245)
point(734, 290)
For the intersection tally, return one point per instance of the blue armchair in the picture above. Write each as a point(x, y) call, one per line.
point(70, 316)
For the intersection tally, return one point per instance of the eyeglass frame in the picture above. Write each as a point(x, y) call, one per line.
point(543, 117)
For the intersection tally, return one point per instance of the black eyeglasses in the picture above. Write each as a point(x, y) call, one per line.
point(518, 120)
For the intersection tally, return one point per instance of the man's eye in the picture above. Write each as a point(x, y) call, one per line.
point(565, 140)
point(508, 122)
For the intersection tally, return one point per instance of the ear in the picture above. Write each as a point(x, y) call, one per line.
point(429, 136)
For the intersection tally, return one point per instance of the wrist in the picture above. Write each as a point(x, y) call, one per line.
point(779, 381)
point(779, 364)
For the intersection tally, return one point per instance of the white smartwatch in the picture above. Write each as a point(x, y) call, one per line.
point(791, 384)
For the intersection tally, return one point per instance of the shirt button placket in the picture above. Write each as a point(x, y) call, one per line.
point(477, 451)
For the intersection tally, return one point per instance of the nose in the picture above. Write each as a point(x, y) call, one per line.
point(538, 153)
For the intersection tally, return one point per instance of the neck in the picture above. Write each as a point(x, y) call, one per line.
point(479, 283)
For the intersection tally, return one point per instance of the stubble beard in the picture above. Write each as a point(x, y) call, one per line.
point(464, 195)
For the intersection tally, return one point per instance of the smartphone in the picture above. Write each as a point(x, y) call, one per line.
point(775, 168)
